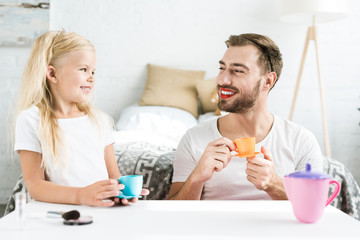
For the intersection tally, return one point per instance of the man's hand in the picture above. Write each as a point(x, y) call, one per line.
point(261, 172)
point(215, 158)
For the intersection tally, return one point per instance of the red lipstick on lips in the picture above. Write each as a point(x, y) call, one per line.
point(226, 93)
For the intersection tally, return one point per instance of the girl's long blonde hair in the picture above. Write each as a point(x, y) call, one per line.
point(47, 50)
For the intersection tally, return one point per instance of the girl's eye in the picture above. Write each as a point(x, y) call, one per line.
point(93, 73)
point(83, 69)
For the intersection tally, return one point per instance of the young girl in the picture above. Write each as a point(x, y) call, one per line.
point(64, 143)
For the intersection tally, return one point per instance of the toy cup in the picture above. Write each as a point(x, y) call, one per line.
point(245, 147)
point(308, 193)
point(133, 186)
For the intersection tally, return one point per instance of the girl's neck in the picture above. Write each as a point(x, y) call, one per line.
point(62, 112)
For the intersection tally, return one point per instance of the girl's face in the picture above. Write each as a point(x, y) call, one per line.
point(73, 78)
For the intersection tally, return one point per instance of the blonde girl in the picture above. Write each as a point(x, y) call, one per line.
point(64, 143)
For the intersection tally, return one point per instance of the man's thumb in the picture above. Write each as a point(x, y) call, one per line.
point(267, 154)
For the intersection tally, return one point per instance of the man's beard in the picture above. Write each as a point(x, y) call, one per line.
point(243, 102)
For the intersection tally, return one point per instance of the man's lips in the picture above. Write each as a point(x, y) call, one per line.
point(226, 93)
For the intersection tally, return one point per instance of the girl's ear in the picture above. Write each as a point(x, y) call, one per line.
point(50, 74)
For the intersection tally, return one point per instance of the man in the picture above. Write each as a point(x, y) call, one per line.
point(204, 167)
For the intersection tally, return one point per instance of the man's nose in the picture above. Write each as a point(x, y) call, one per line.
point(223, 78)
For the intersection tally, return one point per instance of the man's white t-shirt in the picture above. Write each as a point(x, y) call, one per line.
point(84, 140)
point(290, 145)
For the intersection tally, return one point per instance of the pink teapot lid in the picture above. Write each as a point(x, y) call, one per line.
point(309, 174)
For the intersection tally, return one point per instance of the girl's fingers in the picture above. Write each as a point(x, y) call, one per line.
point(108, 182)
point(124, 201)
point(107, 203)
point(144, 192)
point(134, 200)
point(106, 195)
point(109, 188)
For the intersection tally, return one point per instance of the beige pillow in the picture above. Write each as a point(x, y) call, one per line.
point(207, 94)
point(171, 87)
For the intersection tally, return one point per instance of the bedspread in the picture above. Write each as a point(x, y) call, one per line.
point(154, 162)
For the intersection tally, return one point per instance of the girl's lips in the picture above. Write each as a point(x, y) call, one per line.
point(226, 93)
point(86, 89)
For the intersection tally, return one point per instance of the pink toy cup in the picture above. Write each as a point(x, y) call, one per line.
point(308, 193)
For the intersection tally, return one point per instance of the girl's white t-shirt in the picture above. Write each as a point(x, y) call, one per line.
point(291, 146)
point(85, 140)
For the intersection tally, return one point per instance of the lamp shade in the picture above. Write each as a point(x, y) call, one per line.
point(302, 11)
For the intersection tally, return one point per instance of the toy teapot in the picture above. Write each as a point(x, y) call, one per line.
point(308, 193)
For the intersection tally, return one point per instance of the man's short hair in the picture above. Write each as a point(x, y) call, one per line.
point(270, 57)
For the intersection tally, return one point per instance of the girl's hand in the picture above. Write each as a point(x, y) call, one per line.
point(125, 201)
point(94, 194)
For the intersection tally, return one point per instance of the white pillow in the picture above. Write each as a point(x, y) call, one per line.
point(158, 120)
point(206, 116)
point(125, 137)
point(210, 115)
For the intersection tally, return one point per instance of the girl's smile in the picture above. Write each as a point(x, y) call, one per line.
point(72, 79)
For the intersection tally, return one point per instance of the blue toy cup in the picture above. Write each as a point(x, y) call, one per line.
point(133, 184)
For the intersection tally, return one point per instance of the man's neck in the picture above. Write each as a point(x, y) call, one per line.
point(251, 124)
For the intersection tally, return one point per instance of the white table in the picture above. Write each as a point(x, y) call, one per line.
point(182, 220)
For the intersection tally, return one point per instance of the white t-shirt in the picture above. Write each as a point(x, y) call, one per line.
point(291, 146)
point(85, 143)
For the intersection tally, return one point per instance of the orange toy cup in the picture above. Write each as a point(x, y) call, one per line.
point(245, 147)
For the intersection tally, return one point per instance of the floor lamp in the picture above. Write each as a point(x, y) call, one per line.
point(313, 11)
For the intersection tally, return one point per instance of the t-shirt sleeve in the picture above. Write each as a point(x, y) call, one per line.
point(184, 161)
point(107, 129)
point(309, 152)
point(26, 133)
point(109, 136)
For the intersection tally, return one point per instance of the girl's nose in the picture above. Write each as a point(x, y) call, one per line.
point(91, 78)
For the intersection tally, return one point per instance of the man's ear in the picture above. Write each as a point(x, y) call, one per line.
point(50, 74)
point(270, 80)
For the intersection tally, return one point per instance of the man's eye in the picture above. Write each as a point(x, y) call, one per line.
point(221, 68)
point(237, 71)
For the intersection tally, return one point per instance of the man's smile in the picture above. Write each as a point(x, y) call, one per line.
point(226, 93)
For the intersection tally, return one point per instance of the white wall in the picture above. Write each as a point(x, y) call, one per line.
point(190, 34)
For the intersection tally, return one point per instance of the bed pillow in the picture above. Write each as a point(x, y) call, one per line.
point(207, 92)
point(207, 116)
point(156, 120)
point(171, 87)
